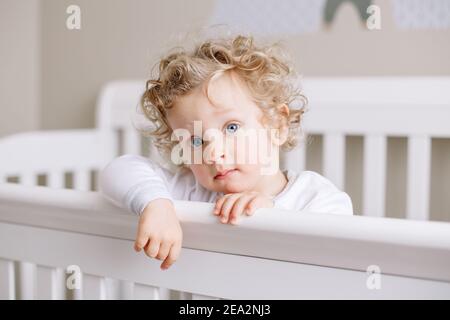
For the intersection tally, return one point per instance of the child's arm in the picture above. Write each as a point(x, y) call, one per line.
point(132, 181)
point(159, 232)
point(138, 184)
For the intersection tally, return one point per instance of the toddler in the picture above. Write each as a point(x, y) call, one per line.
point(221, 113)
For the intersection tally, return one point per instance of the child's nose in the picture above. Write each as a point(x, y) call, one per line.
point(215, 154)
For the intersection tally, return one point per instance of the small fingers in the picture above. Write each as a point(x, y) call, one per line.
point(227, 206)
point(219, 203)
point(172, 257)
point(239, 206)
point(164, 249)
point(152, 248)
point(141, 241)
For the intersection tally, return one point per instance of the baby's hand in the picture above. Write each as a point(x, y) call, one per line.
point(159, 232)
point(230, 206)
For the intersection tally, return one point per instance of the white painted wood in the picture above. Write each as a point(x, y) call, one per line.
point(7, 280)
point(55, 179)
point(94, 287)
point(409, 248)
point(131, 141)
point(112, 289)
point(82, 180)
point(164, 293)
point(27, 271)
point(58, 284)
point(391, 106)
point(126, 290)
point(145, 292)
point(117, 102)
point(286, 280)
point(118, 289)
point(374, 182)
point(334, 158)
point(44, 283)
point(203, 297)
point(26, 281)
point(53, 151)
point(185, 295)
point(50, 283)
point(418, 179)
point(28, 179)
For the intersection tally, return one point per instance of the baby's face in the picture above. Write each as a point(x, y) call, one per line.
point(224, 165)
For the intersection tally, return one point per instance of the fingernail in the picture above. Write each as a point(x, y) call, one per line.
point(223, 220)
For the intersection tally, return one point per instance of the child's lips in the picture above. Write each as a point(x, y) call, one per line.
point(224, 174)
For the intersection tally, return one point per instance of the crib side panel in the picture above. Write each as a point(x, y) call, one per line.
point(210, 275)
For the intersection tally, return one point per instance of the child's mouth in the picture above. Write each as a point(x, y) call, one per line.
point(224, 174)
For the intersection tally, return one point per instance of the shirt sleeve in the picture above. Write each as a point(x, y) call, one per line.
point(132, 181)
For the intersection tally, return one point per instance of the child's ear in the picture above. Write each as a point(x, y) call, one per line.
point(283, 109)
point(283, 128)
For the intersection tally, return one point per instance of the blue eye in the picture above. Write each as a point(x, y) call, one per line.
point(232, 127)
point(196, 141)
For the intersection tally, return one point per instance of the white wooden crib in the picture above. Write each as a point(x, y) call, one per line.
point(53, 233)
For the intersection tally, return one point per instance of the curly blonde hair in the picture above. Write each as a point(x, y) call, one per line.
point(268, 77)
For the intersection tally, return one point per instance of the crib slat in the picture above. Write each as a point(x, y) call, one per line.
point(28, 179)
point(50, 283)
point(112, 288)
point(164, 294)
point(144, 292)
point(94, 287)
point(334, 158)
point(55, 179)
point(7, 287)
point(185, 295)
point(118, 289)
point(374, 176)
point(44, 283)
point(294, 160)
point(27, 281)
point(58, 284)
point(26, 276)
point(126, 290)
point(131, 141)
point(418, 190)
point(203, 297)
point(81, 180)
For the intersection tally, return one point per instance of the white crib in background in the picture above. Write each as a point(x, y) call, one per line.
point(44, 230)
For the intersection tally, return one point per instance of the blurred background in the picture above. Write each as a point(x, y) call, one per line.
point(51, 75)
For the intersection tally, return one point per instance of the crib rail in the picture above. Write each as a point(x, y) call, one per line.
point(274, 254)
point(53, 153)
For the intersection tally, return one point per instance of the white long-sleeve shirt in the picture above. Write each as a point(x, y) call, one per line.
point(132, 181)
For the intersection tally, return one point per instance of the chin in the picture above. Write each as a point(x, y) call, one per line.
point(235, 187)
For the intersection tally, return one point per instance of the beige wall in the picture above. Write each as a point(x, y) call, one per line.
point(122, 39)
point(20, 63)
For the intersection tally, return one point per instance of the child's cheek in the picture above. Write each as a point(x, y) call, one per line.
point(200, 172)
